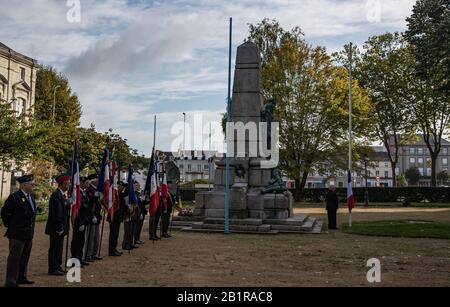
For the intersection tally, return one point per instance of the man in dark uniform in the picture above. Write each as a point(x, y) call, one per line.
point(57, 225)
point(114, 223)
point(80, 223)
point(19, 215)
point(165, 218)
point(142, 212)
point(129, 222)
point(154, 221)
point(95, 218)
point(332, 202)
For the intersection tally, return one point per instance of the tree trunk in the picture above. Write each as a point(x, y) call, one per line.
point(394, 176)
point(433, 170)
point(300, 186)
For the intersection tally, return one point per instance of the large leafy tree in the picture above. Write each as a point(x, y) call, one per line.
point(384, 70)
point(312, 101)
point(429, 36)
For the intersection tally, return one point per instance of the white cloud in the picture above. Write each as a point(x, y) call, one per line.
point(128, 60)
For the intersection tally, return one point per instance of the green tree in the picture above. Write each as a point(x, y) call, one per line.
point(384, 70)
point(312, 101)
point(412, 175)
point(52, 88)
point(429, 34)
point(14, 137)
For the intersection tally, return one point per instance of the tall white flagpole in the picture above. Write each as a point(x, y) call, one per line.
point(350, 131)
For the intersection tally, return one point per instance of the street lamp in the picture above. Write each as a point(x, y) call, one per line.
point(54, 102)
point(366, 193)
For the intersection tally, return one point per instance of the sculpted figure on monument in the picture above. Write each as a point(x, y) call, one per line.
point(276, 184)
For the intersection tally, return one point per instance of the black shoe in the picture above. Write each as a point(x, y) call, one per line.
point(89, 260)
point(97, 258)
point(115, 254)
point(63, 271)
point(166, 235)
point(11, 286)
point(139, 242)
point(25, 282)
point(84, 263)
point(136, 246)
point(56, 273)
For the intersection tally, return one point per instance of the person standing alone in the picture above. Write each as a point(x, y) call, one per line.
point(332, 202)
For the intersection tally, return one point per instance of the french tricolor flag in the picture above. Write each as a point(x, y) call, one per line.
point(104, 179)
point(350, 197)
point(75, 190)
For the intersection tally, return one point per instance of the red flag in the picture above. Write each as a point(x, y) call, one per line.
point(350, 197)
point(154, 189)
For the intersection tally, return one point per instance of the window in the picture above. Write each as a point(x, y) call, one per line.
point(444, 150)
point(206, 167)
point(420, 161)
point(386, 174)
point(421, 171)
point(181, 166)
point(22, 73)
point(20, 106)
point(445, 161)
point(428, 171)
point(341, 184)
point(386, 164)
point(412, 151)
point(377, 173)
point(190, 167)
point(412, 160)
point(199, 168)
point(420, 151)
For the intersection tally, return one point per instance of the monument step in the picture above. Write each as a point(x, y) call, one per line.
point(191, 229)
point(254, 228)
point(297, 220)
point(255, 222)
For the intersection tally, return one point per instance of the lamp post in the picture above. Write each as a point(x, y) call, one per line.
point(366, 193)
point(54, 103)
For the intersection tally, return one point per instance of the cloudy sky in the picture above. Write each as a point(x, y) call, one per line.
point(131, 60)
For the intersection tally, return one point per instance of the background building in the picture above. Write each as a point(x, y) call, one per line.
point(17, 88)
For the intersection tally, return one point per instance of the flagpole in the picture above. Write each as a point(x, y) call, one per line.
point(350, 110)
point(209, 160)
point(227, 179)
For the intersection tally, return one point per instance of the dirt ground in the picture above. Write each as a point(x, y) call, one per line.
point(329, 259)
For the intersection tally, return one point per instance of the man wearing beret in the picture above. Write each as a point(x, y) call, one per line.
point(19, 216)
point(57, 225)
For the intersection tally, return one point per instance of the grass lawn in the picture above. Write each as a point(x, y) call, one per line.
point(401, 228)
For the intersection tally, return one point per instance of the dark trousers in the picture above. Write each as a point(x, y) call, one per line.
point(153, 227)
point(77, 245)
point(17, 263)
point(332, 218)
point(114, 230)
point(128, 235)
point(165, 221)
point(138, 229)
point(55, 253)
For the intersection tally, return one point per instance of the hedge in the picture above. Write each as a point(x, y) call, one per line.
point(377, 195)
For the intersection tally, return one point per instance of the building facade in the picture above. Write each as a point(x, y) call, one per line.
point(17, 88)
point(417, 155)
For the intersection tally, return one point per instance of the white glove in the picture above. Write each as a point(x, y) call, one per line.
point(142, 217)
point(94, 220)
point(97, 194)
point(60, 233)
point(82, 228)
